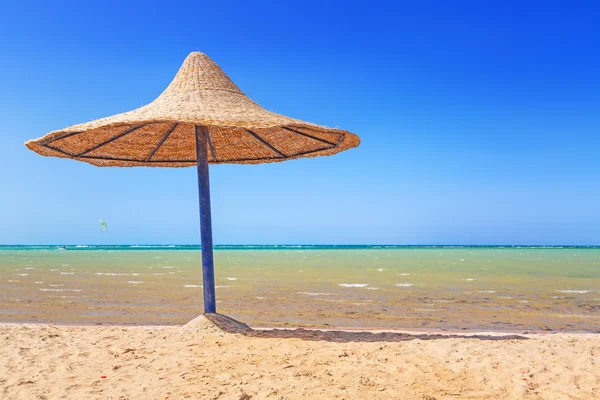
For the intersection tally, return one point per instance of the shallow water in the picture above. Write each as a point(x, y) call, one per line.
point(474, 288)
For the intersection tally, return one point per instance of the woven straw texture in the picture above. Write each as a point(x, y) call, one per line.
point(162, 133)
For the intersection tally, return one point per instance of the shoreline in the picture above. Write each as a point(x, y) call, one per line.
point(407, 331)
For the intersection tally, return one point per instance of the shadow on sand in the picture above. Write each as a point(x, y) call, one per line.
point(230, 325)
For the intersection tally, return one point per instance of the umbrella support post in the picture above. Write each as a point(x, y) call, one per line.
point(208, 270)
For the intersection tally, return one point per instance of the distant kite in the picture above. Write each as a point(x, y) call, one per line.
point(103, 224)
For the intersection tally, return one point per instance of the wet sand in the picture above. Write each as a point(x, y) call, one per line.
point(200, 360)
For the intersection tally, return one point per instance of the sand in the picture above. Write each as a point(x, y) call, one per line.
point(200, 361)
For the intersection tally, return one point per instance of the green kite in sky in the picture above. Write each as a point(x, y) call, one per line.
point(103, 224)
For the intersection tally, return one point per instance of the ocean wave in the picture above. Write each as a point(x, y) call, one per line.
point(22, 274)
point(354, 284)
point(404, 284)
point(231, 279)
point(136, 282)
point(60, 290)
point(315, 294)
point(112, 273)
point(67, 273)
point(193, 286)
point(575, 291)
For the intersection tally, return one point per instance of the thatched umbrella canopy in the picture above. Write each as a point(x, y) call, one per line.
point(202, 117)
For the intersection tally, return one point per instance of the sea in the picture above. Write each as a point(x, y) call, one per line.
point(452, 288)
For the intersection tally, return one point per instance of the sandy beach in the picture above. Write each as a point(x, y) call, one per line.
point(201, 361)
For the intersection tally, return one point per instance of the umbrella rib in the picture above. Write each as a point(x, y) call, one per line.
point(120, 135)
point(59, 150)
point(210, 144)
point(64, 136)
point(164, 138)
point(266, 143)
point(307, 135)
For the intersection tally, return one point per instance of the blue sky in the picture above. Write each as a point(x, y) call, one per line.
point(479, 121)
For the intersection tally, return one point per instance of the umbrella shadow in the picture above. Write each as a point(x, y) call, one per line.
point(230, 325)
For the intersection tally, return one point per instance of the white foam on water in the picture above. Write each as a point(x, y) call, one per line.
point(22, 274)
point(404, 284)
point(168, 267)
point(470, 279)
point(506, 297)
point(380, 269)
point(53, 270)
point(523, 301)
point(574, 291)
point(158, 273)
point(372, 288)
point(354, 284)
point(231, 279)
point(192, 286)
point(462, 259)
point(66, 265)
point(67, 273)
point(403, 274)
point(260, 298)
point(315, 294)
point(219, 287)
point(110, 273)
point(136, 282)
point(60, 290)
point(487, 291)
point(38, 283)
point(13, 281)
point(29, 268)
point(61, 285)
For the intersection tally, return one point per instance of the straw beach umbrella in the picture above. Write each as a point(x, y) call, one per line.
point(201, 118)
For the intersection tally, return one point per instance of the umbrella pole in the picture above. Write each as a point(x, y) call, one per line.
point(208, 270)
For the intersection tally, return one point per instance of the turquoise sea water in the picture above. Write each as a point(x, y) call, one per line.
point(412, 287)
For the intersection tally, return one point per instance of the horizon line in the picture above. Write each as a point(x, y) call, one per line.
point(304, 244)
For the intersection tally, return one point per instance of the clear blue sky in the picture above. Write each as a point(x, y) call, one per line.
point(480, 120)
